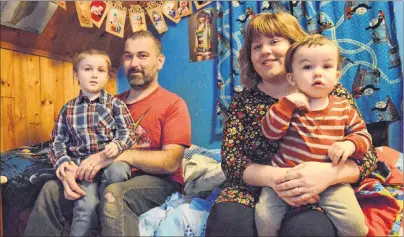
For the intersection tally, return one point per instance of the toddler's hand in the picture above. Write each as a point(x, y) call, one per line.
point(300, 100)
point(340, 151)
point(111, 150)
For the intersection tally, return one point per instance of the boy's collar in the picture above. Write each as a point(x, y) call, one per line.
point(102, 98)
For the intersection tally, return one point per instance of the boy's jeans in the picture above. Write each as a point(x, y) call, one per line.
point(85, 217)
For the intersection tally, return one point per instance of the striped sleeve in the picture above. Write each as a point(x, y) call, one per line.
point(276, 121)
point(358, 134)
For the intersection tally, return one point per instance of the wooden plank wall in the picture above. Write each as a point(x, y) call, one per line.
point(33, 90)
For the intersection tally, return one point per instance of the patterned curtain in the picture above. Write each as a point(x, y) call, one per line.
point(364, 31)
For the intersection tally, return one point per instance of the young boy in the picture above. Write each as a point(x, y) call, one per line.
point(90, 123)
point(314, 126)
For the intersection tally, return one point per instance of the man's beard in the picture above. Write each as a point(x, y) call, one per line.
point(140, 81)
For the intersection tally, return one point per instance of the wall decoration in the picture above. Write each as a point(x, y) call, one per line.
point(202, 35)
point(62, 4)
point(156, 15)
point(116, 19)
point(137, 18)
point(200, 4)
point(98, 10)
point(183, 8)
point(84, 14)
point(169, 11)
point(26, 15)
point(157, 18)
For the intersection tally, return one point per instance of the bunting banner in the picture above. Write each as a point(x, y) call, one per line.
point(183, 8)
point(98, 10)
point(116, 19)
point(201, 4)
point(137, 18)
point(62, 4)
point(156, 16)
point(92, 13)
point(168, 9)
point(84, 14)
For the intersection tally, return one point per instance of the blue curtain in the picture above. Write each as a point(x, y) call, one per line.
point(364, 31)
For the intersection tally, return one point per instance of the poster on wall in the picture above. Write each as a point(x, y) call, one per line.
point(25, 15)
point(116, 22)
point(98, 10)
point(202, 35)
point(84, 14)
point(169, 11)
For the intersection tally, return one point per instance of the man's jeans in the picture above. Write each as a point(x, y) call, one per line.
point(85, 217)
point(120, 208)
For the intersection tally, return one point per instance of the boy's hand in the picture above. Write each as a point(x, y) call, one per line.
point(111, 150)
point(300, 100)
point(340, 151)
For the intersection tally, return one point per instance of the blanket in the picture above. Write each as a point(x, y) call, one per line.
point(381, 195)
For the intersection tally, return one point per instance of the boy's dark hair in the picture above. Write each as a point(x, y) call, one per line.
point(316, 40)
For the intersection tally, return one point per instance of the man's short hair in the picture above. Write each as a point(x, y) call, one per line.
point(148, 35)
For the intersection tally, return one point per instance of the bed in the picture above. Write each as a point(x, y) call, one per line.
point(381, 196)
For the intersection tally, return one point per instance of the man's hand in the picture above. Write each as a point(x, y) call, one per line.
point(111, 150)
point(67, 174)
point(90, 166)
point(61, 171)
point(300, 100)
point(340, 151)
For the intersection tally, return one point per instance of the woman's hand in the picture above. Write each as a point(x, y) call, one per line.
point(303, 183)
point(90, 166)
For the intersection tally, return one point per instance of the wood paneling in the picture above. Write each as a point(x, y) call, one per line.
point(31, 78)
point(60, 86)
point(20, 104)
point(38, 88)
point(69, 83)
point(48, 96)
point(7, 126)
point(6, 73)
point(63, 36)
point(110, 87)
